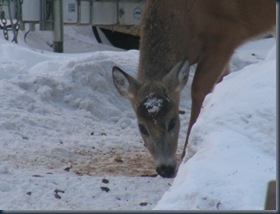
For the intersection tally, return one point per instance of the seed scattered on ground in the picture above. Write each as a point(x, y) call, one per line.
point(67, 169)
point(143, 204)
point(106, 189)
point(56, 195)
point(118, 159)
point(105, 181)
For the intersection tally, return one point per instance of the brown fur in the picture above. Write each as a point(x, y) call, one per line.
point(205, 31)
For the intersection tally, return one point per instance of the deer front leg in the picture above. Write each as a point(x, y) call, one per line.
point(209, 71)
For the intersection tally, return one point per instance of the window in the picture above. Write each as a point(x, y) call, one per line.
point(71, 8)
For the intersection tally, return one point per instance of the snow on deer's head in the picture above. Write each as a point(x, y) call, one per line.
point(156, 104)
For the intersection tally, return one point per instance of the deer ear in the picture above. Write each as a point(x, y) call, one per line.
point(126, 85)
point(177, 78)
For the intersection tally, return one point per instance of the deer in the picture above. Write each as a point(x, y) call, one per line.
point(175, 35)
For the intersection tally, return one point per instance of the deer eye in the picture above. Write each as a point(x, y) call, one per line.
point(143, 130)
point(171, 125)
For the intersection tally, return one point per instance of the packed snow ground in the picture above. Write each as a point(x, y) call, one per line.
point(69, 141)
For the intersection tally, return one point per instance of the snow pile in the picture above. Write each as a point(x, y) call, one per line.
point(83, 83)
point(231, 155)
point(64, 128)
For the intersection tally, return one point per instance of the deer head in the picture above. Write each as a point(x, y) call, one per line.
point(156, 104)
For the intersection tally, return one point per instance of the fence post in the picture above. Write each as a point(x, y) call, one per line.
point(58, 26)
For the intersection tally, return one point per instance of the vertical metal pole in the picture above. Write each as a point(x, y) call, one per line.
point(42, 14)
point(58, 26)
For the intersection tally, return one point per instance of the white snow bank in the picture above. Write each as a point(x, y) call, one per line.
point(231, 155)
point(81, 83)
point(64, 128)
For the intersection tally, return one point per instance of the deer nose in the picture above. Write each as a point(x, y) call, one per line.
point(166, 171)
